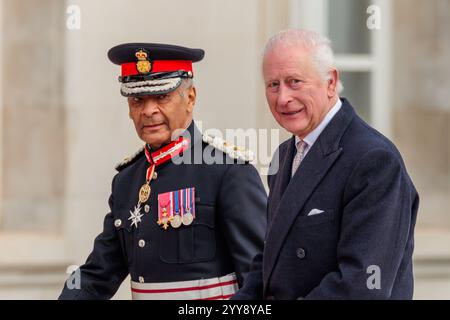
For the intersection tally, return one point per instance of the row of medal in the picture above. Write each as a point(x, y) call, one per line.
point(176, 208)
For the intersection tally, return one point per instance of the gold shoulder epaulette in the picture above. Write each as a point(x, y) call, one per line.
point(235, 152)
point(128, 160)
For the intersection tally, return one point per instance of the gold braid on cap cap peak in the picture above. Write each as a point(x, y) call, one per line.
point(235, 152)
point(128, 160)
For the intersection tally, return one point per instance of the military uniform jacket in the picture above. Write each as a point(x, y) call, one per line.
point(343, 226)
point(225, 236)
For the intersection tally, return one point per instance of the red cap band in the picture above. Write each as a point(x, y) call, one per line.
point(129, 69)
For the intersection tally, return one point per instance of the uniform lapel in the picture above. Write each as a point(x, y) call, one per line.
point(313, 168)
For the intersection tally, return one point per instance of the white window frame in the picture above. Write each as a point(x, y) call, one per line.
point(314, 15)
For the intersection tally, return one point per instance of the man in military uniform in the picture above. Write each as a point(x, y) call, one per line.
point(188, 212)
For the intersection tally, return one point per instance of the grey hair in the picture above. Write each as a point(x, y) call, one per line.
point(186, 83)
point(320, 46)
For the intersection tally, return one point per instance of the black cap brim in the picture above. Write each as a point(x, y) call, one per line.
point(156, 51)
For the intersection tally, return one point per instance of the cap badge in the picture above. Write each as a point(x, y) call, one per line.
point(143, 65)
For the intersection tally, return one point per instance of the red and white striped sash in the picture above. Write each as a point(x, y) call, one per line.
point(204, 289)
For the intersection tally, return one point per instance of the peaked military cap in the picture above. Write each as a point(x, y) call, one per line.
point(153, 68)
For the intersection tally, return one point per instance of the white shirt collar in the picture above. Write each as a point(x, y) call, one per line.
point(311, 138)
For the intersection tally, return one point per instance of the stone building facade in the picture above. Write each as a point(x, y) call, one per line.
point(64, 125)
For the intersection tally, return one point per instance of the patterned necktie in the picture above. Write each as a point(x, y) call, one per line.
point(301, 146)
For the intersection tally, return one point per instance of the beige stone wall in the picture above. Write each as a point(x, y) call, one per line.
point(421, 96)
point(421, 128)
point(76, 124)
point(33, 127)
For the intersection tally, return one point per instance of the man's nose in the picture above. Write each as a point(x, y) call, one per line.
point(284, 96)
point(150, 107)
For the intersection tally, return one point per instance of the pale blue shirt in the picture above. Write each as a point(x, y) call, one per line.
point(311, 138)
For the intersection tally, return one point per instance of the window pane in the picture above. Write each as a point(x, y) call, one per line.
point(357, 91)
point(347, 26)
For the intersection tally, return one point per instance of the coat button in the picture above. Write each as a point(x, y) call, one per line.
point(146, 208)
point(141, 243)
point(155, 176)
point(141, 279)
point(117, 223)
point(301, 253)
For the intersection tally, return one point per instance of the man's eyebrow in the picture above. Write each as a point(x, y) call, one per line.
point(295, 74)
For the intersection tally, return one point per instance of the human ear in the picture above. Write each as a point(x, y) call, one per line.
point(332, 82)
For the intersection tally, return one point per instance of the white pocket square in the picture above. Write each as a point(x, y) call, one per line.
point(314, 212)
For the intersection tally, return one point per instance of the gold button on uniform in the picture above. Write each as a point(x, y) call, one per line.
point(117, 223)
point(146, 208)
point(141, 243)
